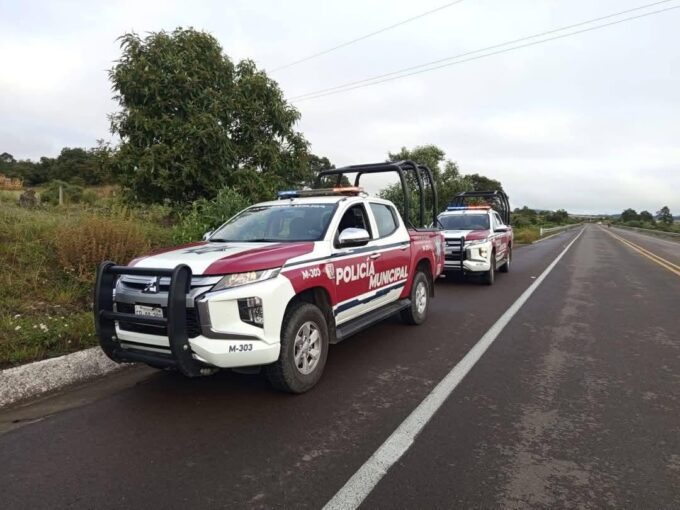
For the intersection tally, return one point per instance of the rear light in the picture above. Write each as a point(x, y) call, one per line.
point(250, 311)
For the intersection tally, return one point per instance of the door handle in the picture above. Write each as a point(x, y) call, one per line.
point(375, 256)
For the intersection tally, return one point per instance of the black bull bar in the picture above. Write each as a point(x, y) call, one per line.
point(105, 318)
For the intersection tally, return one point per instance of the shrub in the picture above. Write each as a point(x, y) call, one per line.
point(206, 215)
point(82, 246)
point(526, 235)
point(72, 194)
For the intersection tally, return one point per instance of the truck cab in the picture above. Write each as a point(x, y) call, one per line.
point(479, 238)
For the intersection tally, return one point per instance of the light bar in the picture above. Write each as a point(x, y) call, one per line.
point(323, 192)
point(467, 208)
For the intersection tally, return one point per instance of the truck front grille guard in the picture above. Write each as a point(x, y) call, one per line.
point(176, 321)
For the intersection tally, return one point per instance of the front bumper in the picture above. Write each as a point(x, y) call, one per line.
point(467, 257)
point(199, 329)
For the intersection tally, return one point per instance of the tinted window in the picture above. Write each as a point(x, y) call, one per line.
point(385, 218)
point(304, 222)
point(464, 222)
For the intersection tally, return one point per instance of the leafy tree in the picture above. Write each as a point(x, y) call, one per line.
point(629, 215)
point(646, 217)
point(482, 183)
point(664, 215)
point(559, 217)
point(191, 122)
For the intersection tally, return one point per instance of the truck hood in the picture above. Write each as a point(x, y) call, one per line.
point(469, 235)
point(207, 258)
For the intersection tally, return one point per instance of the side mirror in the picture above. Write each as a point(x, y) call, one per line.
point(207, 235)
point(501, 229)
point(353, 237)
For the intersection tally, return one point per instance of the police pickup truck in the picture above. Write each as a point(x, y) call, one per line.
point(273, 286)
point(479, 237)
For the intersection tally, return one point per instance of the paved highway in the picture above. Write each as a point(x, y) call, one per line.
point(576, 403)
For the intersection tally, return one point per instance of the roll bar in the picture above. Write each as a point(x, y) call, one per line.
point(401, 168)
point(497, 199)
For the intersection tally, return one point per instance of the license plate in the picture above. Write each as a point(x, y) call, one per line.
point(148, 311)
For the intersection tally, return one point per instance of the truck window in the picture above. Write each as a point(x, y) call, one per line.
point(465, 222)
point(290, 222)
point(384, 218)
point(354, 217)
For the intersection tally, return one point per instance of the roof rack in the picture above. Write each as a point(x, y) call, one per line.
point(496, 199)
point(320, 192)
point(401, 168)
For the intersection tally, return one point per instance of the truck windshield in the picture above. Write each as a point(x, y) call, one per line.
point(464, 222)
point(277, 223)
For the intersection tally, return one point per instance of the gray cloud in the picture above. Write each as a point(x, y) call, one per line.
point(587, 123)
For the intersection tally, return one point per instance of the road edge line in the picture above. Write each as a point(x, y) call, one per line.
point(362, 483)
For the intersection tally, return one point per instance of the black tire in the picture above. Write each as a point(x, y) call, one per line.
point(284, 374)
point(505, 268)
point(416, 313)
point(490, 275)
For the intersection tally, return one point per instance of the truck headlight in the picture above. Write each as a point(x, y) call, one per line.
point(238, 279)
point(481, 247)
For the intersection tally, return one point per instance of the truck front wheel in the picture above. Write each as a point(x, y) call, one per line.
point(416, 313)
point(304, 349)
point(490, 276)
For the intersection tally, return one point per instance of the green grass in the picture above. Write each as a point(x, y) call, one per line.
point(526, 235)
point(45, 311)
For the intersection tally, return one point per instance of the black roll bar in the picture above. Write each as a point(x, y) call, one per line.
point(400, 167)
point(497, 199)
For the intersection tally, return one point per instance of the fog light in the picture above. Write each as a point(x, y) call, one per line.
point(250, 311)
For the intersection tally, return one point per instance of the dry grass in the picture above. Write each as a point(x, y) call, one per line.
point(80, 247)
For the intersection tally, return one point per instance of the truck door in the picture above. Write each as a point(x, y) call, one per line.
point(359, 270)
point(393, 253)
point(500, 239)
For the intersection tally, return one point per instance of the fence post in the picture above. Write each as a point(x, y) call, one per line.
point(61, 195)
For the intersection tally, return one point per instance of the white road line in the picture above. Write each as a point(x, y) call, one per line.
point(360, 485)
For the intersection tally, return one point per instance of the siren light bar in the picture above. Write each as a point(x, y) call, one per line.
point(322, 192)
point(467, 208)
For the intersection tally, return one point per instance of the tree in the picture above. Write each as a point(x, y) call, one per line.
point(482, 183)
point(629, 215)
point(191, 122)
point(559, 217)
point(646, 217)
point(664, 215)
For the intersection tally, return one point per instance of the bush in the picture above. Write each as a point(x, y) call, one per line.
point(526, 235)
point(206, 215)
point(81, 247)
point(73, 194)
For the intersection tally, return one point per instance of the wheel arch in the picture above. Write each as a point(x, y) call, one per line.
point(425, 265)
point(320, 297)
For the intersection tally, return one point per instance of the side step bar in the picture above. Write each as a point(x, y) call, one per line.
point(360, 323)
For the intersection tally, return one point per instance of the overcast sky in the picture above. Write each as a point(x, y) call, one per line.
point(589, 123)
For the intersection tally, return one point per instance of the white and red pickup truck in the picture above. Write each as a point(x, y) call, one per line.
point(272, 287)
point(479, 239)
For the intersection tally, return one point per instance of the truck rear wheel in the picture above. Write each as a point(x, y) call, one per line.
point(490, 276)
point(304, 349)
point(505, 268)
point(416, 313)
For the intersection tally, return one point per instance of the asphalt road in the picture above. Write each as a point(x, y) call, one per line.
point(575, 404)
